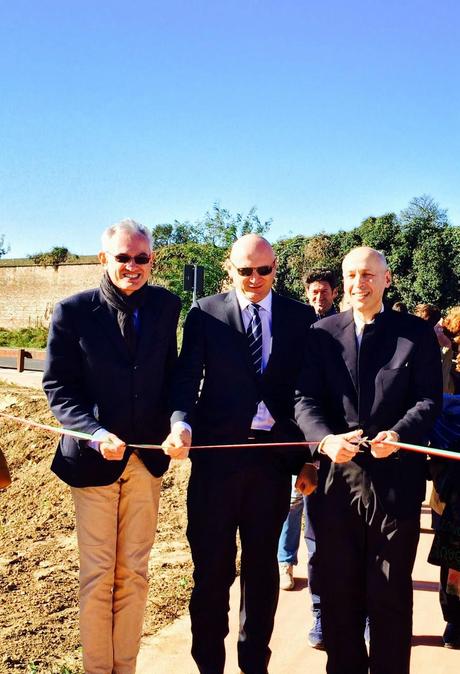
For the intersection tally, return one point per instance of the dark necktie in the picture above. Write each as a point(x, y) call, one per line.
point(254, 334)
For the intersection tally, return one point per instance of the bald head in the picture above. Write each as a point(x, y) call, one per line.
point(252, 266)
point(365, 277)
point(365, 252)
point(250, 244)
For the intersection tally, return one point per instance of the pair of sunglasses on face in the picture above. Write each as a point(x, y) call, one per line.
point(264, 270)
point(124, 258)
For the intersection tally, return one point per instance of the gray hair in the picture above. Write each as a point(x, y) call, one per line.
point(126, 225)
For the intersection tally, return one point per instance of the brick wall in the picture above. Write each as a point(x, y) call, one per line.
point(28, 292)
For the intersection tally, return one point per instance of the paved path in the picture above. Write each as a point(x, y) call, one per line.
point(26, 378)
point(169, 651)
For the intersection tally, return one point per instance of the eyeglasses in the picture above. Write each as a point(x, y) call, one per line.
point(265, 270)
point(124, 258)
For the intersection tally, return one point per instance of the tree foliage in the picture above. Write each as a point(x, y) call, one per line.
point(205, 242)
point(218, 227)
point(421, 246)
point(54, 257)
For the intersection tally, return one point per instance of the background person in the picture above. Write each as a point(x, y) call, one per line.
point(445, 498)
point(321, 291)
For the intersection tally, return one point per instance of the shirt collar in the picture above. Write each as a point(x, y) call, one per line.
point(359, 323)
point(243, 301)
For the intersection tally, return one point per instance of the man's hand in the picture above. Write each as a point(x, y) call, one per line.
point(341, 448)
point(178, 442)
point(307, 479)
point(380, 450)
point(112, 448)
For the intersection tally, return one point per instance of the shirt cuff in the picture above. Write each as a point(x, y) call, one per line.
point(97, 437)
point(321, 444)
point(182, 426)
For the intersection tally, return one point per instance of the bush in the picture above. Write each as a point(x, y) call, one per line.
point(31, 338)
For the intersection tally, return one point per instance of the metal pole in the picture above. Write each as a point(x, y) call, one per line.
point(195, 274)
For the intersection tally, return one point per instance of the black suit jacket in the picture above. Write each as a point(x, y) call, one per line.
point(92, 381)
point(393, 383)
point(216, 389)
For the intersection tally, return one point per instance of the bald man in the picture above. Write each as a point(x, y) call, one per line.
point(240, 359)
point(370, 372)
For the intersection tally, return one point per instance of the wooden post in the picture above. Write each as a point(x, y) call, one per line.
point(20, 360)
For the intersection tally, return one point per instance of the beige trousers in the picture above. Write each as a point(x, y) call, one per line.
point(116, 528)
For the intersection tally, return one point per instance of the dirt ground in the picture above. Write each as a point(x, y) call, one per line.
point(38, 550)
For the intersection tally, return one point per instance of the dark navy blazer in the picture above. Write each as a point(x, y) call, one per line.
point(92, 381)
point(392, 382)
point(216, 388)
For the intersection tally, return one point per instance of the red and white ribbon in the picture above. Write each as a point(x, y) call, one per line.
point(432, 451)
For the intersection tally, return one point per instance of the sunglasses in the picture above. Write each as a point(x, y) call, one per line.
point(124, 258)
point(265, 270)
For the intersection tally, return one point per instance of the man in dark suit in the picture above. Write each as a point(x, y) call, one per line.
point(110, 357)
point(240, 359)
point(369, 372)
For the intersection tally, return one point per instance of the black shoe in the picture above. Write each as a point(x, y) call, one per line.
point(315, 635)
point(451, 636)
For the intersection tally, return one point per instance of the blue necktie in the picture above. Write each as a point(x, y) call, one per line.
point(254, 334)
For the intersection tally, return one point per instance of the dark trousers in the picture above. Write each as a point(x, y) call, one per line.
point(365, 560)
point(255, 500)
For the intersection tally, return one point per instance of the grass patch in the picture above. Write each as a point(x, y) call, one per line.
point(32, 338)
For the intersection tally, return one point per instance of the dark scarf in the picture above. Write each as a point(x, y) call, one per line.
point(125, 306)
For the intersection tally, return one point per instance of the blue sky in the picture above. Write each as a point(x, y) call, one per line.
point(317, 113)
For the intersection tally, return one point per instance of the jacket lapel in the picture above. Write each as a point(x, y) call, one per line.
point(347, 337)
point(150, 322)
point(108, 322)
point(234, 320)
point(233, 313)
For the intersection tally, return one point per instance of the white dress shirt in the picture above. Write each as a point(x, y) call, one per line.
point(359, 325)
point(263, 420)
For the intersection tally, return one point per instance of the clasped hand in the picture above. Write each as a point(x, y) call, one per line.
point(177, 444)
point(112, 448)
point(343, 447)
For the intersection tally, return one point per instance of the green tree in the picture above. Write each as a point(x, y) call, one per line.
point(290, 255)
point(54, 257)
point(220, 228)
point(162, 236)
point(205, 242)
point(420, 256)
point(168, 269)
point(421, 246)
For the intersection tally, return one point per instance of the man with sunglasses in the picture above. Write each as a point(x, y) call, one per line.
point(235, 381)
point(111, 352)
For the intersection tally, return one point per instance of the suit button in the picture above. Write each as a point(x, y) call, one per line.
point(136, 367)
point(136, 396)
